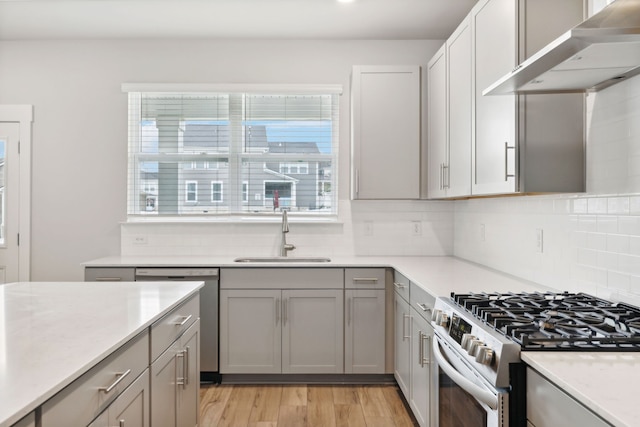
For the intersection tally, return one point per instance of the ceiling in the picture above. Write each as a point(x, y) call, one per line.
point(230, 19)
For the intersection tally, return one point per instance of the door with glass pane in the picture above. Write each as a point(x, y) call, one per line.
point(9, 198)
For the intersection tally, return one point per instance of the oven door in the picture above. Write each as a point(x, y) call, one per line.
point(463, 397)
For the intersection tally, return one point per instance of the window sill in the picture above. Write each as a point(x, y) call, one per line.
point(271, 219)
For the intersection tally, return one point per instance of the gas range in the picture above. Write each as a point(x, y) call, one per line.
point(557, 321)
point(489, 330)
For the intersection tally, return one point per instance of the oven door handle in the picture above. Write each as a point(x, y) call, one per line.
point(473, 389)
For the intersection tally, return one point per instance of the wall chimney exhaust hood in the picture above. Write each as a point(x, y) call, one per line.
point(597, 53)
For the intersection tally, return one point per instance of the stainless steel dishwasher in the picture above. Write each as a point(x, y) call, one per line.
point(209, 370)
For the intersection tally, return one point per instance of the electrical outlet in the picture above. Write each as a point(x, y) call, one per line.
point(139, 240)
point(416, 228)
point(483, 235)
point(539, 240)
point(368, 228)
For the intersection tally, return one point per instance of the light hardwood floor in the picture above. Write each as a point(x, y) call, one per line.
point(303, 405)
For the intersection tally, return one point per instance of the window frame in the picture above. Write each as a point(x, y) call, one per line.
point(242, 205)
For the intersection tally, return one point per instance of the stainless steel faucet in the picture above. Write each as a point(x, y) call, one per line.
point(284, 246)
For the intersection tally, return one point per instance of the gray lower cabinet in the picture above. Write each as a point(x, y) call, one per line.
point(131, 407)
point(175, 382)
point(266, 331)
point(419, 396)
point(402, 341)
point(548, 406)
point(364, 318)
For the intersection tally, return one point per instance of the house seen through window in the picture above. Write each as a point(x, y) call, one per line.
point(220, 154)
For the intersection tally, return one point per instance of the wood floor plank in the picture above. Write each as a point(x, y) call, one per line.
point(320, 407)
point(373, 402)
point(349, 416)
point(239, 405)
point(266, 405)
point(213, 400)
point(294, 395)
point(345, 395)
point(292, 416)
point(399, 413)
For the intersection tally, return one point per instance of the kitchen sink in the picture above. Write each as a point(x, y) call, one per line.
point(282, 259)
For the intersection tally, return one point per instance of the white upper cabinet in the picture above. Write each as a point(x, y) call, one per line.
point(449, 116)
point(385, 132)
point(527, 143)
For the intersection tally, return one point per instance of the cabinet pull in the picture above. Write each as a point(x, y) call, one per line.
point(446, 176)
point(183, 379)
point(399, 285)
point(420, 349)
point(365, 279)
point(349, 302)
point(404, 331)
point(108, 279)
point(424, 360)
point(119, 377)
point(357, 182)
point(441, 176)
point(506, 161)
point(186, 366)
point(285, 302)
point(277, 310)
point(185, 319)
point(423, 307)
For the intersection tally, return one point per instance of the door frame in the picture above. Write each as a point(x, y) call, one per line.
point(23, 115)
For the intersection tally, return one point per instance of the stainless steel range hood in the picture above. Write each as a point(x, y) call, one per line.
point(599, 52)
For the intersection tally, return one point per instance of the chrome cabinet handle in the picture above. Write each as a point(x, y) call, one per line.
point(365, 279)
point(420, 350)
point(441, 176)
point(183, 380)
point(423, 359)
point(404, 333)
point(285, 302)
point(277, 310)
point(445, 176)
point(120, 376)
point(186, 366)
point(506, 161)
point(185, 319)
point(399, 285)
point(349, 302)
point(357, 182)
point(108, 279)
point(423, 307)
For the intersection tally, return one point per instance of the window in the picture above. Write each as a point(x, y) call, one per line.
point(216, 191)
point(268, 151)
point(191, 191)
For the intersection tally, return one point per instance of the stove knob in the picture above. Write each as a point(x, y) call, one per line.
point(466, 341)
point(474, 346)
point(484, 355)
point(435, 314)
point(443, 320)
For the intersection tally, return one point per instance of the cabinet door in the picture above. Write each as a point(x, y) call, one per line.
point(250, 332)
point(402, 347)
point(364, 329)
point(163, 383)
point(312, 331)
point(188, 402)
point(457, 174)
point(494, 146)
point(421, 335)
point(385, 132)
point(109, 274)
point(131, 408)
point(437, 124)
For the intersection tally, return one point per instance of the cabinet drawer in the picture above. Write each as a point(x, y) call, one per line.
point(86, 397)
point(401, 285)
point(171, 326)
point(109, 274)
point(421, 300)
point(281, 278)
point(364, 278)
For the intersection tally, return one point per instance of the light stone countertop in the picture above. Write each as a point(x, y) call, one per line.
point(602, 381)
point(53, 332)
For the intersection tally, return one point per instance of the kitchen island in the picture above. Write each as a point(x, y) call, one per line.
point(53, 333)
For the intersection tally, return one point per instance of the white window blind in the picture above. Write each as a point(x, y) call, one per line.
point(232, 153)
